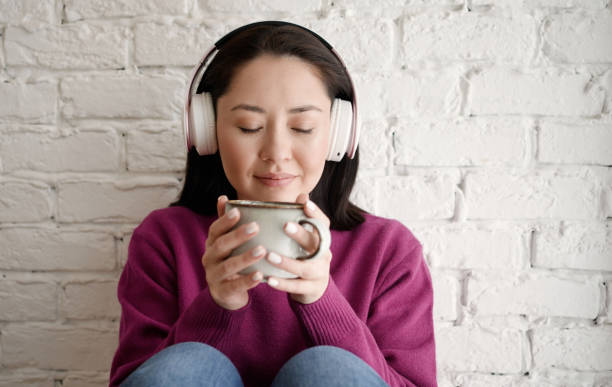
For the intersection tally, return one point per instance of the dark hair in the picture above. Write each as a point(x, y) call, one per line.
point(205, 179)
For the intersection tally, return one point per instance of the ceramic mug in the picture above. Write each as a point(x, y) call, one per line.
point(271, 218)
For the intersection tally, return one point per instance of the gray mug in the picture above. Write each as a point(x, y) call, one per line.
point(271, 218)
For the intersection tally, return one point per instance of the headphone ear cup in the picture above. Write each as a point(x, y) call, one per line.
point(202, 130)
point(341, 124)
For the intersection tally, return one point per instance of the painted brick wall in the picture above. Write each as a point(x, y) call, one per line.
point(487, 130)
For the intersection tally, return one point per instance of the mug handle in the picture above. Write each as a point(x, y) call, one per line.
point(324, 237)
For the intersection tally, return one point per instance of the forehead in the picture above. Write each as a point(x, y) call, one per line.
point(267, 72)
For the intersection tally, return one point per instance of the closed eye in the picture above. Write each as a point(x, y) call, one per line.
point(248, 130)
point(305, 131)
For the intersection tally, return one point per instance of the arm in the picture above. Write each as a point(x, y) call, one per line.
point(397, 339)
point(150, 319)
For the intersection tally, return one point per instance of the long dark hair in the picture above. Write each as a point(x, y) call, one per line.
point(205, 179)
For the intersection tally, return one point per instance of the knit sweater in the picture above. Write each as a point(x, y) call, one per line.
point(378, 304)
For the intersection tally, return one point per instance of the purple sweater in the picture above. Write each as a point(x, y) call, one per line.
point(378, 304)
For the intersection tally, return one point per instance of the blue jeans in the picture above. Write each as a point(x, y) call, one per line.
point(198, 364)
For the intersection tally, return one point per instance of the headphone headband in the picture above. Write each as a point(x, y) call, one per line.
point(199, 70)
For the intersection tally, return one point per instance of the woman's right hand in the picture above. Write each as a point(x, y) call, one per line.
point(227, 287)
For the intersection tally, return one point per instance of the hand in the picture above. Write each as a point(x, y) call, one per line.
point(227, 287)
point(313, 274)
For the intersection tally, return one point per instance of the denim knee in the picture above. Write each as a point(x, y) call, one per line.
point(327, 366)
point(186, 364)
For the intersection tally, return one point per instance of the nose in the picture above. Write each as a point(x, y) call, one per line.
point(276, 143)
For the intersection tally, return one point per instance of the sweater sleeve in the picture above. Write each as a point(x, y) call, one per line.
point(397, 340)
point(150, 320)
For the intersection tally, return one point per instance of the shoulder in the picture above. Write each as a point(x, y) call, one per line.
point(169, 219)
point(385, 232)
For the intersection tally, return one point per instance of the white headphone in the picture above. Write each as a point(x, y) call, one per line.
point(199, 115)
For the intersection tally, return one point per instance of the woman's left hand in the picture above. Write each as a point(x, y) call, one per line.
point(313, 274)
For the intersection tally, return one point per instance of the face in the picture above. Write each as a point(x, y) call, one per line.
point(273, 128)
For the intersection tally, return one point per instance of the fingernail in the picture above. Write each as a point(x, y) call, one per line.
point(310, 205)
point(259, 250)
point(233, 214)
point(272, 282)
point(257, 276)
point(291, 228)
point(274, 258)
point(251, 228)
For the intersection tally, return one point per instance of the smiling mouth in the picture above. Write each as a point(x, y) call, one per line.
point(275, 180)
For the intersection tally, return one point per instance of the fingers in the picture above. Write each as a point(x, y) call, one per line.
point(223, 245)
point(311, 209)
point(221, 200)
point(225, 221)
point(308, 240)
point(305, 269)
point(229, 268)
point(312, 281)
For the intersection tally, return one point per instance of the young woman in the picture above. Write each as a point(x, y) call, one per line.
point(361, 315)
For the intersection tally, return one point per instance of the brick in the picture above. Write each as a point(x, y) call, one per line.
point(501, 194)
point(574, 245)
point(28, 11)
point(460, 141)
point(472, 349)
point(26, 378)
point(174, 45)
point(22, 301)
point(32, 102)
point(537, 380)
point(122, 96)
point(390, 4)
point(94, 9)
point(492, 247)
point(124, 244)
point(609, 299)
point(156, 152)
point(564, 143)
point(68, 347)
point(447, 291)
point(467, 36)
point(606, 83)
point(423, 94)
point(85, 380)
point(237, 6)
point(374, 146)
point(550, 91)
point(77, 151)
point(535, 4)
point(120, 201)
point(587, 41)
point(68, 46)
point(539, 295)
point(423, 195)
point(581, 349)
point(362, 43)
point(370, 97)
point(608, 193)
point(24, 202)
point(56, 249)
point(90, 300)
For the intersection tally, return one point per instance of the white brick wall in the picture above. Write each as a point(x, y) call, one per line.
point(487, 129)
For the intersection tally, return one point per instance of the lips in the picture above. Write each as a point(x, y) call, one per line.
point(275, 179)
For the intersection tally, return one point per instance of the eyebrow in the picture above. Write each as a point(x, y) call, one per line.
point(257, 109)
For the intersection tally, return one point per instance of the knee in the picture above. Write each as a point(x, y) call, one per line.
point(185, 354)
point(324, 356)
point(327, 365)
point(184, 361)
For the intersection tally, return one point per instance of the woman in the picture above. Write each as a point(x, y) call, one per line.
point(363, 317)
